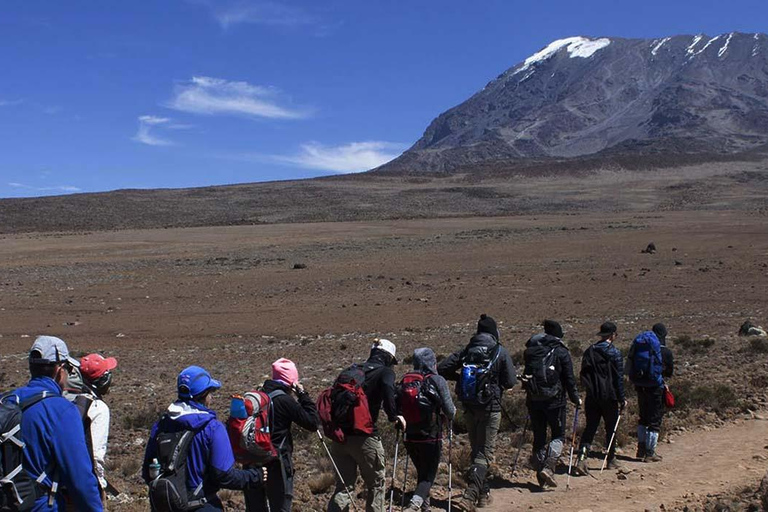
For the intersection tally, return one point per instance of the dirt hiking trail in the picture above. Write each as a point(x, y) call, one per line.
point(695, 464)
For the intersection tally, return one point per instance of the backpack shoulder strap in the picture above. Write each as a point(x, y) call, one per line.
point(32, 400)
point(273, 394)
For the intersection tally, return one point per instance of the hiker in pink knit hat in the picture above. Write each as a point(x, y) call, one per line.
point(290, 404)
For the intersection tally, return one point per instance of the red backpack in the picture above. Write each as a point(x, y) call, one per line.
point(250, 427)
point(343, 408)
point(417, 403)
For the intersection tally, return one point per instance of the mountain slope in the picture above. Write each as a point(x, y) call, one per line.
point(580, 96)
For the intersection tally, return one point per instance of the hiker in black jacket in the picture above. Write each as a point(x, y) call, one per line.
point(548, 377)
point(602, 376)
point(286, 410)
point(482, 370)
point(363, 451)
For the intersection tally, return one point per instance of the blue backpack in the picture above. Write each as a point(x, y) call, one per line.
point(477, 376)
point(645, 361)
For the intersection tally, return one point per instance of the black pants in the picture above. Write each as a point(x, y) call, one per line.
point(426, 458)
point(595, 410)
point(650, 401)
point(546, 454)
point(278, 489)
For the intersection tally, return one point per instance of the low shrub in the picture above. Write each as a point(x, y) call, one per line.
point(694, 346)
point(758, 345)
point(142, 418)
point(716, 397)
point(322, 483)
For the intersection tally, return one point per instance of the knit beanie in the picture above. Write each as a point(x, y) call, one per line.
point(553, 328)
point(285, 371)
point(488, 325)
point(661, 332)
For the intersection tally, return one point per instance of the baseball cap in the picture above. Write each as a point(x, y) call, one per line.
point(50, 350)
point(387, 346)
point(193, 381)
point(607, 329)
point(94, 366)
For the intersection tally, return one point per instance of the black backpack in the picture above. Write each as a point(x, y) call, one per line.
point(19, 490)
point(478, 375)
point(597, 372)
point(168, 492)
point(541, 376)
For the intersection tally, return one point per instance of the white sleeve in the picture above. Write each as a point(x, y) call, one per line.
point(99, 415)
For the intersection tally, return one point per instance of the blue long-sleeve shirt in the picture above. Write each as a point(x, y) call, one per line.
point(53, 432)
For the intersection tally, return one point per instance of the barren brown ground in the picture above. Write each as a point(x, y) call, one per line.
point(229, 298)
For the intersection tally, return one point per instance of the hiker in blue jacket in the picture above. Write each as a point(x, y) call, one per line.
point(53, 431)
point(210, 461)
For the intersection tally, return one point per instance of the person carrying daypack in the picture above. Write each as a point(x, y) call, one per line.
point(86, 388)
point(348, 413)
point(646, 369)
point(482, 370)
point(43, 442)
point(284, 410)
point(602, 377)
point(424, 400)
point(188, 457)
point(548, 378)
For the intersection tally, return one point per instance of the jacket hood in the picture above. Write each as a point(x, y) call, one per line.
point(271, 385)
point(546, 340)
point(484, 339)
point(189, 414)
point(424, 359)
point(37, 385)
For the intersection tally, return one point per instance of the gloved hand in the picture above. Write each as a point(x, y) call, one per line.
point(298, 388)
point(400, 423)
point(578, 404)
point(622, 405)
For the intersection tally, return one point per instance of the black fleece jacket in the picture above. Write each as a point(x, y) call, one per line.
point(563, 366)
point(285, 411)
point(503, 370)
point(379, 386)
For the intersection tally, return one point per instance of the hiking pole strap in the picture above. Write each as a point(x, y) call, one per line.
point(338, 472)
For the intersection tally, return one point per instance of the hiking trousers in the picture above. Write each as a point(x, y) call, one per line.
point(426, 459)
point(546, 454)
point(595, 410)
point(367, 454)
point(483, 428)
point(650, 402)
point(278, 488)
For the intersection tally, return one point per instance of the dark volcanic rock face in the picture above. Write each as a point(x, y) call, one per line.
point(579, 96)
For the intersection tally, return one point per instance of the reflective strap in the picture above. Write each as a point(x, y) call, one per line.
point(52, 493)
point(41, 477)
point(198, 489)
point(10, 476)
point(10, 436)
point(197, 503)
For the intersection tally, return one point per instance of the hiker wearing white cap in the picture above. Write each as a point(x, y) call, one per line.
point(365, 450)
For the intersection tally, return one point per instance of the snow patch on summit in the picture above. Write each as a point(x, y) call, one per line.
point(724, 49)
point(658, 46)
point(692, 47)
point(580, 47)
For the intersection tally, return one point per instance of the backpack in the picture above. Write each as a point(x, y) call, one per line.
point(416, 402)
point(597, 372)
point(541, 376)
point(645, 364)
point(250, 427)
point(476, 377)
point(168, 492)
point(343, 408)
point(19, 490)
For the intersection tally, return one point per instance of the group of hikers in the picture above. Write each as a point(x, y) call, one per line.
point(54, 429)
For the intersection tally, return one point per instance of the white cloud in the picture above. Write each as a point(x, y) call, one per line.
point(211, 96)
point(228, 13)
point(144, 133)
point(8, 103)
point(58, 188)
point(352, 157)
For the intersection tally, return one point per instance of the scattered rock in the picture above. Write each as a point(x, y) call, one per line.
point(299, 266)
point(763, 492)
point(649, 249)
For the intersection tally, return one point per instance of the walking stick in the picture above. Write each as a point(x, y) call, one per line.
point(341, 478)
point(450, 464)
point(405, 477)
point(394, 472)
point(520, 445)
point(573, 442)
point(613, 437)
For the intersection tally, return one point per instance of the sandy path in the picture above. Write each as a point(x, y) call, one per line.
point(695, 464)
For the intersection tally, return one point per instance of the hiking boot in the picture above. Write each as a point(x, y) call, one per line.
point(546, 478)
point(652, 457)
point(640, 451)
point(613, 464)
point(412, 507)
point(464, 504)
point(486, 500)
point(581, 469)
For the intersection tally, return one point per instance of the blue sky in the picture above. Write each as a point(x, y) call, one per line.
point(178, 93)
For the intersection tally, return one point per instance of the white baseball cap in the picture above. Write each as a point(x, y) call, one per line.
point(387, 346)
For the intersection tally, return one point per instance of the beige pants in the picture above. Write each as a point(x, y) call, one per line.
point(366, 453)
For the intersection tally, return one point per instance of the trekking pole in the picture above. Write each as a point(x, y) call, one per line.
point(405, 477)
point(394, 472)
point(450, 464)
point(341, 478)
point(520, 445)
point(613, 437)
point(573, 442)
